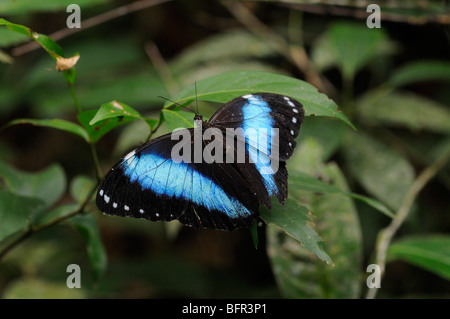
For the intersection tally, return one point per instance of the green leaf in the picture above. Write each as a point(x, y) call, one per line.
point(151, 122)
point(353, 45)
point(16, 212)
point(231, 45)
point(114, 109)
point(100, 128)
point(306, 182)
point(224, 87)
point(294, 220)
point(405, 110)
point(297, 274)
point(322, 54)
point(377, 205)
point(49, 45)
point(54, 123)
point(384, 173)
point(309, 183)
point(46, 43)
point(254, 233)
point(234, 50)
point(59, 212)
point(430, 252)
point(338, 222)
point(80, 188)
point(16, 27)
point(47, 185)
point(178, 119)
point(328, 131)
point(421, 71)
point(87, 226)
point(27, 197)
point(109, 116)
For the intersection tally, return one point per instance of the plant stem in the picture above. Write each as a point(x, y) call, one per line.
point(154, 129)
point(74, 97)
point(385, 235)
point(36, 228)
point(98, 171)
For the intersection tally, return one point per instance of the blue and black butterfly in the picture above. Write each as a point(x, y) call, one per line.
point(148, 183)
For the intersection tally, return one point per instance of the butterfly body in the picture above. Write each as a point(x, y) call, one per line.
point(151, 183)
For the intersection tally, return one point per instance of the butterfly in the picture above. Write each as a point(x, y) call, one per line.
point(150, 183)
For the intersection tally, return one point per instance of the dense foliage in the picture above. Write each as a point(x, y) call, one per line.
point(368, 183)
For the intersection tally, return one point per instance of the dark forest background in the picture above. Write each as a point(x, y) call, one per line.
point(392, 83)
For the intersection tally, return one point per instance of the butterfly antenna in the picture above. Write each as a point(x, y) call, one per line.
point(175, 103)
point(196, 99)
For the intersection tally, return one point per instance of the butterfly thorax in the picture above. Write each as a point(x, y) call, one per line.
point(198, 117)
point(199, 122)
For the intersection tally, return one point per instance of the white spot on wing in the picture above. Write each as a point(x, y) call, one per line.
point(294, 120)
point(106, 197)
point(290, 103)
point(126, 207)
point(129, 155)
point(248, 96)
point(101, 192)
point(114, 205)
point(295, 110)
point(141, 211)
point(157, 215)
point(292, 132)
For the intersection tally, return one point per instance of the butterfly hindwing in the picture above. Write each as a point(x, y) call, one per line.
point(265, 111)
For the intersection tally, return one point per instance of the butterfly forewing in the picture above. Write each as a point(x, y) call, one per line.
point(147, 183)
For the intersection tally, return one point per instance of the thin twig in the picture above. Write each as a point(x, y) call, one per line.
point(161, 67)
point(295, 54)
point(164, 73)
point(385, 235)
point(98, 171)
point(74, 97)
point(91, 22)
point(361, 13)
point(34, 229)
